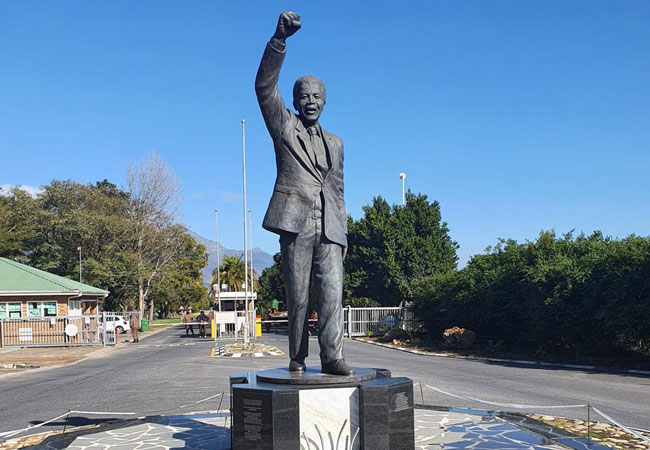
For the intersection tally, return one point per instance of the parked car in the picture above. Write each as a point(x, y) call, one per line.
point(118, 323)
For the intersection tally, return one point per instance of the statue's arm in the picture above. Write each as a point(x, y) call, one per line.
point(266, 87)
point(266, 83)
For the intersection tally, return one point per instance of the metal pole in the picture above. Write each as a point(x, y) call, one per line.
point(250, 235)
point(403, 177)
point(243, 156)
point(79, 248)
point(216, 214)
point(349, 322)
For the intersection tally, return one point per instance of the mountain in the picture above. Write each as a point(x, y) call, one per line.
point(261, 259)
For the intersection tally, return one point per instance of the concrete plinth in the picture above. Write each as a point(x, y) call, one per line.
point(276, 409)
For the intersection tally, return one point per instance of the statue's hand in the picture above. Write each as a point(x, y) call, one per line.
point(288, 24)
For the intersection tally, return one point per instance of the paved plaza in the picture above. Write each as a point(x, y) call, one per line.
point(434, 429)
point(169, 375)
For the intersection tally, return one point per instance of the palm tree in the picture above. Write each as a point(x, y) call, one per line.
point(232, 274)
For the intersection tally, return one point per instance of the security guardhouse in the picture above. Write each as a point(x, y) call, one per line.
point(38, 308)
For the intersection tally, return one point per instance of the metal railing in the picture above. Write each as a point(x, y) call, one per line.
point(377, 321)
point(50, 331)
point(231, 325)
point(112, 331)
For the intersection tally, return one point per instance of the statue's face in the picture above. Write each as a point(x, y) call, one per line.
point(309, 101)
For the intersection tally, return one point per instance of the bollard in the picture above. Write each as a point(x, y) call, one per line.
point(117, 336)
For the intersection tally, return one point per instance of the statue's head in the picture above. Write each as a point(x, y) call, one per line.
point(309, 98)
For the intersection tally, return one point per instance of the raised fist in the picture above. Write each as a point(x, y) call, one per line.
point(288, 24)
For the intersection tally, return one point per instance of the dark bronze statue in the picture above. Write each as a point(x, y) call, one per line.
point(307, 208)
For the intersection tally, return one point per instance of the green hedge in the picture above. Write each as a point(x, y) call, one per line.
point(588, 294)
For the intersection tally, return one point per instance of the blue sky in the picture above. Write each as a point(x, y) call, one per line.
point(516, 115)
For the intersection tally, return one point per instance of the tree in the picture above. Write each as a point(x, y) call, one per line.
point(46, 232)
point(18, 223)
point(181, 282)
point(153, 208)
point(232, 274)
point(391, 249)
point(580, 295)
point(271, 284)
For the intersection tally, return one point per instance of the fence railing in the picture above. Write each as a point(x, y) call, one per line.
point(377, 321)
point(50, 331)
point(116, 325)
point(231, 325)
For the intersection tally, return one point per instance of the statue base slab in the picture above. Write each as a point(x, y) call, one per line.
point(277, 409)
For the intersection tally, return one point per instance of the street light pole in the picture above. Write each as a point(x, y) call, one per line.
point(243, 155)
point(216, 215)
point(403, 177)
point(250, 235)
point(79, 248)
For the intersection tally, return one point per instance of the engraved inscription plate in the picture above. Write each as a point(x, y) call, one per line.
point(252, 409)
point(399, 402)
point(252, 420)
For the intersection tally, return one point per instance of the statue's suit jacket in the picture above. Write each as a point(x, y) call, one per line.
point(299, 182)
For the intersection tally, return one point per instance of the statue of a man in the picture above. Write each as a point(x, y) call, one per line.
point(307, 208)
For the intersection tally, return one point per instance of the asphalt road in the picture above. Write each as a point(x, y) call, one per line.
point(168, 373)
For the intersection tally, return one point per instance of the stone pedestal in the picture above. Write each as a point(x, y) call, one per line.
point(277, 409)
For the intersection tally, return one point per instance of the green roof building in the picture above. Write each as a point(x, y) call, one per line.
point(36, 306)
point(19, 279)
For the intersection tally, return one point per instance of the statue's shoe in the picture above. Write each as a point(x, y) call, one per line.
point(336, 367)
point(297, 365)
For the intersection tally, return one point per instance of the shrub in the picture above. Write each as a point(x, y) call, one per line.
point(587, 294)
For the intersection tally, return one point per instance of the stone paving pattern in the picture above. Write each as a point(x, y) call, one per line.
point(195, 431)
point(434, 429)
point(462, 430)
point(238, 350)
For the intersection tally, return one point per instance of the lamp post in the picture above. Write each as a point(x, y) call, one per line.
point(216, 216)
point(243, 156)
point(402, 177)
point(79, 249)
point(250, 236)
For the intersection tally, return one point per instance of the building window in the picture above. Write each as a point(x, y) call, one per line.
point(10, 310)
point(41, 309)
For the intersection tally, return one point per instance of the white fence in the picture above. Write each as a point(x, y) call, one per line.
point(50, 331)
point(376, 321)
point(63, 331)
point(231, 325)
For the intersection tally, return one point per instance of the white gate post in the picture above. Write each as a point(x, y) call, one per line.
point(349, 322)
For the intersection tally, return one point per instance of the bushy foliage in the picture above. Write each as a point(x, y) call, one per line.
point(586, 294)
point(360, 302)
point(271, 285)
point(391, 249)
point(46, 232)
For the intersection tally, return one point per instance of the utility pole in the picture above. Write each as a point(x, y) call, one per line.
point(403, 177)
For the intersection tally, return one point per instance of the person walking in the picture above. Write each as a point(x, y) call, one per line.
point(202, 319)
point(133, 322)
point(187, 320)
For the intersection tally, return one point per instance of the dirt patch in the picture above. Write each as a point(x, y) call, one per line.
point(45, 357)
point(601, 432)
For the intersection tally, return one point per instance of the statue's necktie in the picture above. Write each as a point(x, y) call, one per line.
point(318, 148)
